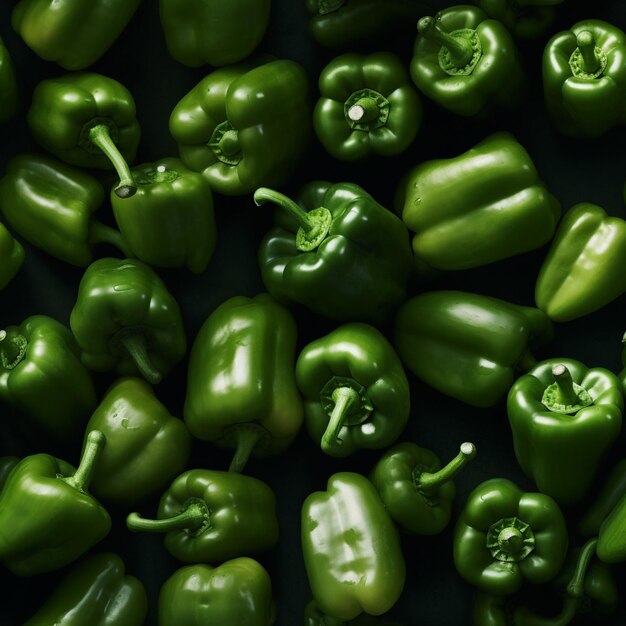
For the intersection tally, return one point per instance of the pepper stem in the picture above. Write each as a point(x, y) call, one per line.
point(576, 585)
point(510, 540)
point(100, 136)
point(429, 482)
point(229, 143)
point(586, 43)
point(12, 348)
point(193, 516)
point(263, 195)
point(461, 51)
point(364, 110)
point(247, 439)
point(82, 477)
point(101, 233)
point(344, 398)
point(135, 345)
point(564, 382)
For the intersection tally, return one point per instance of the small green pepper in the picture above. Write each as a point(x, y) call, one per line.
point(11, 256)
point(9, 96)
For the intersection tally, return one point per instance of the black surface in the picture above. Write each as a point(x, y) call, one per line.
point(574, 171)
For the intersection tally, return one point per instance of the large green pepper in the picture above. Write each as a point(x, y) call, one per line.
point(245, 126)
point(96, 592)
point(241, 387)
point(48, 518)
point(466, 345)
point(9, 96)
point(237, 592)
point(355, 391)
point(466, 62)
point(564, 418)
point(169, 222)
point(126, 320)
point(213, 32)
point(41, 375)
point(339, 252)
point(88, 120)
point(367, 106)
point(482, 206)
point(314, 617)
point(351, 549)
point(52, 205)
point(7, 463)
point(72, 33)
point(11, 256)
point(525, 19)
point(415, 489)
point(505, 537)
point(584, 78)
point(212, 516)
point(146, 447)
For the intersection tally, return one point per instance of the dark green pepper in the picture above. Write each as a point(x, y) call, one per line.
point(314, 617)
point(9, 96)
point(11, 256)
point(525, 19)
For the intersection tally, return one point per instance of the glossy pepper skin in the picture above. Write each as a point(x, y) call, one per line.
point(72, 33)
point(146, 447)
point(11, 256)
point(217, 32)
point(47, 516)
point(88, 120)
point(466, 345)
point(212, 516)
point(52, 205)
point(241, 387)
point(169, 222)
point(466, 62)
point(482, 206)
point(584, 78)
point(505, 537)
point(525, 19)
point(355, 391)
point(244, 126)
point(96, 592)
point(9, 94)
point(583, 269)
point(126, 320)
point(236, 592)
point(338, 252)
point(564, 417)
point(41, 374)
point(314, 617)
point(414, 487)
point(612, 491)
point(368, 106)
point(354, 572)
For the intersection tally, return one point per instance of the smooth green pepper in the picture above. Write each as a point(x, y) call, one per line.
point(9, 95)
point(241, 387)
point(564, 418)
point(338, 252)
point(169, 222)
point(245, 126)
point(11, 255)
point(146, 447)
point(367, 106)
point(126, 320)
point(212, 516)
point(525, 19)
point(612, 491)
point(466, 345)
point(52, 205)
point(355, 391)
point(505, 537)
point(237, 592)
point(96, 592)
point(314, 617)
point(48, 518)
point(7, 463)
point(351, 549)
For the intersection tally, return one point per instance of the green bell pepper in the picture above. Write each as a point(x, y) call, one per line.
point(11, 255)
point(338, 252)
point(314, 617)
point(584, 78)
point(213, 516)
point(466, 62)
point(169, 222)
point(52, 205)
point(126, 320)
point(241, 386)
point(89, 120)
point(42, 376)
point(236, 592)
point(351, 549)
point(245, 126)
point(491, 610)
point(355, 391)
point(367, 106)
point(612, 536)
point(9, 94)
point(7, 463)
point(48, 518)
point(525, 19)
point(146, 447)
point(583, 270)
point(468, 346)
point(505, 537)
point(415, 489)
point(72, 33)
point(482, 206)
point(96, 592)
point(217, 32)
point(564, 418)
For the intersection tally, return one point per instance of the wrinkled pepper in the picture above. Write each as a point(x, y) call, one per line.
point(355, 391)
point(314, 617)
point(9, 94)
point(11, 255)
point(7, 463)
point(612, 491)
point(525, 19)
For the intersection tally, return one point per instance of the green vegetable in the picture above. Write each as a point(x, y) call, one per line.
point(7, 463)
point(525, 19)
point(9, 94)
point(612, 491)
point(11, 255)
point(314, 617)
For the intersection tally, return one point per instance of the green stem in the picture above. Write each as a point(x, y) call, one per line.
point(461, 51)
point(229, 143)
point(586, 43)
point(429, 482)
point(263, 195)
point(510, 540)
point(564, 382)
point(344, 398)
point(364, 110)
point(101, 233)
point(100, 136)
point(135, 345)
point(193, 516)
point(576, 586)
point(246, 439)
point(12, 348)
point(82, 477)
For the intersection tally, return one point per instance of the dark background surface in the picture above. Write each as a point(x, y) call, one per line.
point(574, 171)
